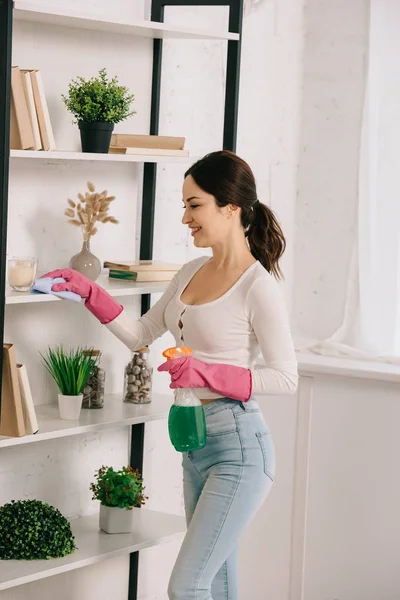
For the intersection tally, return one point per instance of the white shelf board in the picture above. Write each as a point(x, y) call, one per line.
point(149, 29)
point(150, 529)
point(113, 287)
point(115, 413)
point(61, 155)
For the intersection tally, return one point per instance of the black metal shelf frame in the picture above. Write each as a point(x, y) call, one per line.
point(149, 173)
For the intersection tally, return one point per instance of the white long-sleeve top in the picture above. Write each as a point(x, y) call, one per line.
point(248, 319)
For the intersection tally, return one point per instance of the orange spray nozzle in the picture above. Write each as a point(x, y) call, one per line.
point(177, 352)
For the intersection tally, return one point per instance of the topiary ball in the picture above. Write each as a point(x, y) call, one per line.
point(31, 529)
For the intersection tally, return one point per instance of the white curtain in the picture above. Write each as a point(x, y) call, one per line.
point(371, 327)
point(379, 202)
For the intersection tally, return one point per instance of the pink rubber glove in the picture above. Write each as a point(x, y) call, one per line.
point(227, 380)
point(97, 300)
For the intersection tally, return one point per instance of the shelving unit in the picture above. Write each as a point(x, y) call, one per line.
point(151, 527)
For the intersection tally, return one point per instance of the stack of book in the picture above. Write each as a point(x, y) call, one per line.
point(17, 414)
point(154, 145)
point(30, 125)
point(142, 270)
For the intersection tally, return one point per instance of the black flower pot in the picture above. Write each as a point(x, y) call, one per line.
point(95, 136)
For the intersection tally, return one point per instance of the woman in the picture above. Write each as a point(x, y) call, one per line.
point(227, 308)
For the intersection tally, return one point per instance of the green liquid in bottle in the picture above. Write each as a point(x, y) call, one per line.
point(187, 427)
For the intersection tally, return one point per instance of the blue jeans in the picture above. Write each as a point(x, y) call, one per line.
point(224, 485)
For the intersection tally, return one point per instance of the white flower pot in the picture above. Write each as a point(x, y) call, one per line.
point(69, 406)
point(116, 520)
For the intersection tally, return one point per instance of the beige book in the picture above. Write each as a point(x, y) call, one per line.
point(15, 140)
point(11, 413)
point(147, 141)
point(28, 408)
point(27, 85)
point(42, 110)
point(141, 265)
point(147, 151)
point(21, 134)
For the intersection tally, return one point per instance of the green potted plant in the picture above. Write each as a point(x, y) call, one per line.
point(97, 104)
point(34, 530)
point(119, 493)
point(70, 370)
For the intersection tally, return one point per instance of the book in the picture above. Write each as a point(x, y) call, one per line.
point(11, 414)
point(21, 133)
point(27, 85)
point(28, 408)
point(147, 141)
point(15, 140)
point(141, 275)
point(42, 110)
point(140, 265)
point(147, 151)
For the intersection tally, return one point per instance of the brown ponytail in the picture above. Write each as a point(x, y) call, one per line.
point(266, 240)
point(231, 181)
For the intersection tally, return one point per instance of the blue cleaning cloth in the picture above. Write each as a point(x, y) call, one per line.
point(43, 286)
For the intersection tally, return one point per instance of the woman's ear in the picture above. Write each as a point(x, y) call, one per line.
point(233, 209)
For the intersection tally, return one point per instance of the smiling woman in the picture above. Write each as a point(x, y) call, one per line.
point(218, 184)
point(227, 309)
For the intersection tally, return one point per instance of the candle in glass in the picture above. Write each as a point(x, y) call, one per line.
point(22, 273)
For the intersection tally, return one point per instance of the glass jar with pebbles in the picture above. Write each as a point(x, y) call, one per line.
point(93, 392)
point(138, 378)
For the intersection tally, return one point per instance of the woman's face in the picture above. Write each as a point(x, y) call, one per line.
point(209, 224)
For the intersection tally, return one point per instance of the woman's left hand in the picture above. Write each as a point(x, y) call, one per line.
point(186, 372)
point(228, 380)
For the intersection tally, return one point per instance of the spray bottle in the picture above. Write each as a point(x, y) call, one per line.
point(186, 421)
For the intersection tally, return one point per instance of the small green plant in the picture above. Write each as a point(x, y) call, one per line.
point(31, 529)
point(98, 99)
point(123, 488)
point(70, 369)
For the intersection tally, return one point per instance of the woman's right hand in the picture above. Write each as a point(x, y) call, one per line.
point(97, 300)
point(75, 282)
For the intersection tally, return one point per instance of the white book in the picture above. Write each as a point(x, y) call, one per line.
point(27, 84)
point(28, 408)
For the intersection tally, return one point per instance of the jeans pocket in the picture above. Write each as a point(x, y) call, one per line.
point(221, 422)
point(268, 453)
